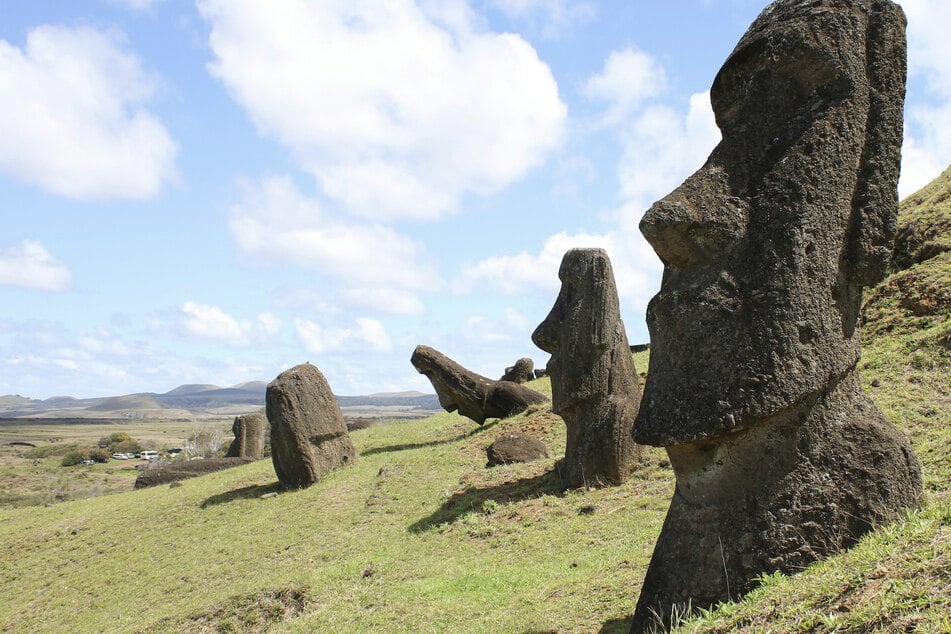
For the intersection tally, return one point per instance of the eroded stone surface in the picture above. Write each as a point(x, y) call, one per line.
point(515, 447)
point(594, 385)
point(249, 431)
point(779, 457)
point(308, 433)
point(473, 395)
point(522, 372)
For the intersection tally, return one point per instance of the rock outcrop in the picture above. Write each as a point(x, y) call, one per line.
point(779, 457)
point(249, 432)
point(308, 434)
point(472, 395)
point(177, 471)
point(594, 385)
point(522, 372)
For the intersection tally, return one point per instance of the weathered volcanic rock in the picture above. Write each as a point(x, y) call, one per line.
point(175, 471)
point(249, 431)
point(522, 372)
point(779, 457)
point(308, 433)
point(515, 447)
point(594, 385)
point(473, 395)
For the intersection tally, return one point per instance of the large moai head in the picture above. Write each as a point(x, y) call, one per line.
point(767, 247)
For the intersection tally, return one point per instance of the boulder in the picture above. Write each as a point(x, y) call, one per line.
point(472, 395)
point(515, 447)
point(308, 433)
point(249, 431)
point(779, 457)
point(522, 372)
point(594, 386)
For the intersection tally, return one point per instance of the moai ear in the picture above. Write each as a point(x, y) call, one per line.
point(875, 204)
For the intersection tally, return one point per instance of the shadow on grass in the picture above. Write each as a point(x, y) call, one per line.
point(431, 443)
point(472, 499)
point(616, 626)
point(243, 493)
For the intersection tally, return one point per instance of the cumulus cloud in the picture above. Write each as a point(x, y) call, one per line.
point(211, 323)
point(275, 222)
point(366, 333)
point(398, 110)
point(72, 117)
point(29, 265)
point(629, 77)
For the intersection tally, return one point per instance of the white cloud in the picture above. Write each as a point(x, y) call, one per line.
point(211, 323)
point(135, 5)
point(72, 119)
point(927, 147)
point(396, 111)
point(554, 16)
point(277, 223)
point(31, 266)
point(629, 77)
point(367, 333)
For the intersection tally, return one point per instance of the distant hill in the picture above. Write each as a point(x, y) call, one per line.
point(204, 399)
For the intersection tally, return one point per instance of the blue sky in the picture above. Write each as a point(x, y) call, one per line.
point(214, 191)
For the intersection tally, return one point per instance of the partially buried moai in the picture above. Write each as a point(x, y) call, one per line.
point(594, 385)
point(308, 434)
point(249, 434)
point(780, 459)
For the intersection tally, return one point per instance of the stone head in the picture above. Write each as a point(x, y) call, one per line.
point(767, 247)
point(583, 326)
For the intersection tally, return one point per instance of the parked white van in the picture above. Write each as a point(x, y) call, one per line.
point(148, 455)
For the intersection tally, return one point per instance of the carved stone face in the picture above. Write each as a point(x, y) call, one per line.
point(580, 329)
point(767, 246)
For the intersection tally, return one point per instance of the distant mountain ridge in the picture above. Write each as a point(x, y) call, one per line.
point(192, 399)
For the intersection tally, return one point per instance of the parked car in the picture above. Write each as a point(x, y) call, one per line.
point(148, 455)
point(87, 462)
point(120, 456)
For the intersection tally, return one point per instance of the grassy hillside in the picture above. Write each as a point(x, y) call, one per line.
point(419, 536)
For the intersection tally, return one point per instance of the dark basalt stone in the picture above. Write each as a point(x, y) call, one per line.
point(753, 389)
point(473, 395)
point(308, 433)
point(515, 447)
point(249, 431)
point(522, 372)
point(594, 385)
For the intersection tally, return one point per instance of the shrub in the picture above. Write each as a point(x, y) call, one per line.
point(73, 458)
point(99, 454)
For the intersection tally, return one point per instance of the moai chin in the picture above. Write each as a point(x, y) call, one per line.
point(594, 385)
point(779, 457)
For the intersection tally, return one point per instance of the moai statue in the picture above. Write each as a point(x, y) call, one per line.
point(473, 395)
point(308, 433)
point(779, 457)
point(249, 431)
point(594, 385)
point(521, 372)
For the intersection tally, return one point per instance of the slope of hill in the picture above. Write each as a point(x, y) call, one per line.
point(419, 535)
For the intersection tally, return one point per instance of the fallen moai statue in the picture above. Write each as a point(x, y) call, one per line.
point(473, 395)
point(522, 372)
point(780, 459)
point(515, 447)
point(249, 431)
point(308, 433)
point(594, 385)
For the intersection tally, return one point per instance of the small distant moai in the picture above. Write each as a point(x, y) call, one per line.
point(308, 433)
point(473, 395)
point(780, 459)
point(522, 372)
point(249, 431)
point(594, 385)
